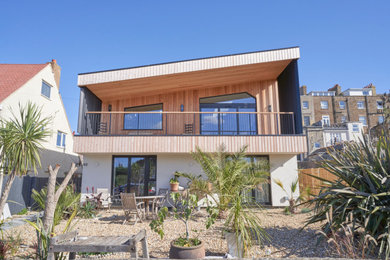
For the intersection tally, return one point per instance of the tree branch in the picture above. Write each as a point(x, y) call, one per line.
point(65, 182)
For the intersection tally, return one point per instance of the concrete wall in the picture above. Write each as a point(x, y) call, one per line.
point(97, 172)
point(31, 91)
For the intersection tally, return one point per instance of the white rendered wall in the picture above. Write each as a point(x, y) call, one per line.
point(98, 169)
point(284, 168)
point(31, 91)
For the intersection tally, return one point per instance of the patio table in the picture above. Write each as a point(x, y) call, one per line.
point(147, 200)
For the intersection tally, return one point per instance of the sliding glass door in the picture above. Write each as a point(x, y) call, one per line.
point(134, 174)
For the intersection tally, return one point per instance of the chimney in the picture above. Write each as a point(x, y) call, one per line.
point(56, 71)
point(303, 90)
point(336, 88)
point(372, 87)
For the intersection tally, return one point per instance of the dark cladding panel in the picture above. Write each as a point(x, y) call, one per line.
point(289, 98)
point(88, 102)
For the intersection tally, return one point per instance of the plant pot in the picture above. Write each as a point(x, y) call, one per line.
point(174, 187)
point(194, 252)
point(236, 251)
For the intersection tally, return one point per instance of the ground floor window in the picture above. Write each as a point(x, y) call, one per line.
point(262, 194)
point(134, 174)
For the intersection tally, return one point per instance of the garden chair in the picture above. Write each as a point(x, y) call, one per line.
point(105, 198)
point(132, 208)
point(159, 202)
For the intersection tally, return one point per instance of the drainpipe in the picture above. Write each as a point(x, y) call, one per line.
point(347, 103)
point(368, 116)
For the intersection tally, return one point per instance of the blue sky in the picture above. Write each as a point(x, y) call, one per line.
point(344, 42)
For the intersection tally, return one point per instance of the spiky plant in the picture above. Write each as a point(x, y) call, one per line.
point(292, 198)
point(361, 190)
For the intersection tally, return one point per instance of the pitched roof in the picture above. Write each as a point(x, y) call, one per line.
point(13, 76)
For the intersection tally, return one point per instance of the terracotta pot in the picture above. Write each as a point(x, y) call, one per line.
point(195, 252)
point(174, 186)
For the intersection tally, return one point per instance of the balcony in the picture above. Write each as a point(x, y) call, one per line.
point(180, 132)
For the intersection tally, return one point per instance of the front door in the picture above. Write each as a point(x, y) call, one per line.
point(134, 174)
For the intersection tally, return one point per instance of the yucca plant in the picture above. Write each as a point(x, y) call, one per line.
point(361, 190)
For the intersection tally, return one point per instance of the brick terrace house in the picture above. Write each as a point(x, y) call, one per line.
point(138, 125)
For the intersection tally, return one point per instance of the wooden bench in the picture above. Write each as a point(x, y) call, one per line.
point(72, 243)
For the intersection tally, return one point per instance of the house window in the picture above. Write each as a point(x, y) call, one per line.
point(61, 139)
point(143, 121)
point(355, 128)
point(317, 145)
point(366, 93)
point(306, 120)
point(360, 104)
point(363, 120)
point(325, 120)
point(381, 119)
point(343, 119)
point(379, 104)
point(342, 104)
point(324, 105)
point(305, 104)
point(236, 122)
point(45, 89)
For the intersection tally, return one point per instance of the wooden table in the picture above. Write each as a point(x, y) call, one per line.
point(72, 243)
point(147, 200)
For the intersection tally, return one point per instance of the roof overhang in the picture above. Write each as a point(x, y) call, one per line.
point(231, 69)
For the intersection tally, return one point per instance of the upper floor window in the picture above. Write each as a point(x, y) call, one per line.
point(343, 119)
point(236, 122)
point(342, 104)
point(355, 128)
point(325, 120)
point(45, 89)
point(363, 120)
point(306, 120)
point(324, 105)
point(360, 104)
point(305, 104)
point(379, 104)
point(381, 119)
point(143, 121)
point(61, 139)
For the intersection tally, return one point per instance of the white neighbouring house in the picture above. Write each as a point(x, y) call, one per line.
point(137, 126)
point(39, 84)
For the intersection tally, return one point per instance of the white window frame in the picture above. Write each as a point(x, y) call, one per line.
point(379, 104)
point(361, 106)
point(325, 120)
point(364, 122)
point(62, 139)
point(342, 106)
point(343, 119)
point(381, 119)
point(44, 83)
point(304, 122)
point(323, 102)
point(307, 104)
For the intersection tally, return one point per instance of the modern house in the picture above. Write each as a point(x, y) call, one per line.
point(138, 125)
point(38, 83)
point(336, 106)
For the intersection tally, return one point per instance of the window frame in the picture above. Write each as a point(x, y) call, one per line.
point(379, 106)
point(305, 102)
point(382, 120)
point(328, 120)
point(343, 106)
point(354, 127)
point(327, 104)
point(304, 120)
point(362, 103)
point(140, 112)
point(62, 139)
point(365, 120)
point(45, 83)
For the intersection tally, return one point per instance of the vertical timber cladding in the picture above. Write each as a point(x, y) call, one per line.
point(265, 92)
point(289, 98)
point(88, 102)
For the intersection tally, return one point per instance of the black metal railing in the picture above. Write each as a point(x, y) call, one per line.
point(188, 123)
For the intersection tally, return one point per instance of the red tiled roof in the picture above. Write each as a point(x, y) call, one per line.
point(13, 76)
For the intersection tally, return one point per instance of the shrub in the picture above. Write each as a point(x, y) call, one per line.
point(67, 203)
point(88, 209)
point(361, 192)
point(22, 212)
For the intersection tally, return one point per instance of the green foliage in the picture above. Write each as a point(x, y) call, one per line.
point(174, 179)
point(230, 174)
point(361, 191)
point(21, 138)
point(88, 209)
point(184, 242)
point(290, 193)
point(22, 212)
point(68, 202)
point(305, 210)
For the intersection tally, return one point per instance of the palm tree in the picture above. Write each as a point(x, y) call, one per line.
point(20, 143)
point(230, 174)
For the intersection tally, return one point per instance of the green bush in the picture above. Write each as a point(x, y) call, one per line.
point(360, 192)
point(88, 210)
point(68, 202)
point(22, 212)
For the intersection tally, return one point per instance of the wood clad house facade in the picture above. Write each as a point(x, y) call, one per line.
point(139, 125)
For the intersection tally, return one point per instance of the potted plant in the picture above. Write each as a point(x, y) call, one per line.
point(174, 183)
point(184, 247)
